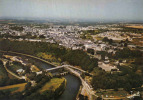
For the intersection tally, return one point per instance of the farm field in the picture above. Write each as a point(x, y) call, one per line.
point(140, 27)
point(14, 88)
point(52, 85)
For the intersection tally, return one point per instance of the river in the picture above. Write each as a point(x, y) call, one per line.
point(73, 83)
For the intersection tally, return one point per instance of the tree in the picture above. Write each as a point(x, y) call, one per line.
point(41, 36)
point(27, 70)
point(83, 75)
point(105, 39)
point(32, 75)
point(125, 44)
point(91, 51)
point(27, 86)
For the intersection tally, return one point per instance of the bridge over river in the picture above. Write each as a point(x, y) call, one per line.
point(86, 89)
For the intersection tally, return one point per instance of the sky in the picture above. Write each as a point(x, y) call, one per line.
point(92, 10)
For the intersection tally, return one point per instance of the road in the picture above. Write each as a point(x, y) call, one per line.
point(30, 56)
point(45, 60)
point(86, 87)
point(58, 67)
point(4, 63)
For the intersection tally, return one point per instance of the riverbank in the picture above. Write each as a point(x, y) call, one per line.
point(29, 56)
point(14, 88)
point(73, 83)
point(54, 88)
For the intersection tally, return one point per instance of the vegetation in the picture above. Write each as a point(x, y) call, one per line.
point(25, 91)
point(130, 76)
point(88, 33)
point(48, 57)
point(126, 79)
point(46, 88)
point(91, 51)
point(53, 88)
point(17, 28)
point(131, 29)
point(127, 53)
point(7, 81)
point(53, 84)
point(15, 66)
point(87, 36)
point(3, 73)
point(94, 32)
point(14, 88)
point(74, 57)
point(105, 39)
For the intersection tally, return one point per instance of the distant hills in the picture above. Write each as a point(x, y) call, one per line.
point(6, 20)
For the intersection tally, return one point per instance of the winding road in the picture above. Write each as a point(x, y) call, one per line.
point(10, 72)
point(86, 88)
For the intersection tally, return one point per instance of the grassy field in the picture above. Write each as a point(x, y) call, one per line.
point(53, 84)
point(14, 88)
point(138, 41)
point(3, 72)
point(49, 57)
point(98, 38)
point(15, 67)
point(35, 68)
point(11, 76)
point(46, 56)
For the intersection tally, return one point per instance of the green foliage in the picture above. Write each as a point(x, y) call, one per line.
point(15, 66)
point(74, 57)
point(7, 81)
point(91, 51)
point(132, 30)
point(105, 39)
point(32, 90)
point(17, 28)
point(32, 75)
point(127, 53)
point(80, 58)
point(127, 79)
point(94, 32)
point(28, 86)
point(82, 97)
point(11, 90)
point(4, 95)
point(41, 36)
point(87, 33)
point(3, 72)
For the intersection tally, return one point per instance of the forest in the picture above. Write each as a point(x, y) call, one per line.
point(73, 57)
point(128, 78)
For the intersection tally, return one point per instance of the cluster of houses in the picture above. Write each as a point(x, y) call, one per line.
point(115, 35)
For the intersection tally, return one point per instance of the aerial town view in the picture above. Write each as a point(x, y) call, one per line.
point(71, 50)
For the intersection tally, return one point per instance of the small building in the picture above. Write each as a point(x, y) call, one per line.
point(131, 46)
point(106, 61)
point(20, 71)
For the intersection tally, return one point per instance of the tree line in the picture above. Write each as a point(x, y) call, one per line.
point(73, 57)
point(126, 79)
